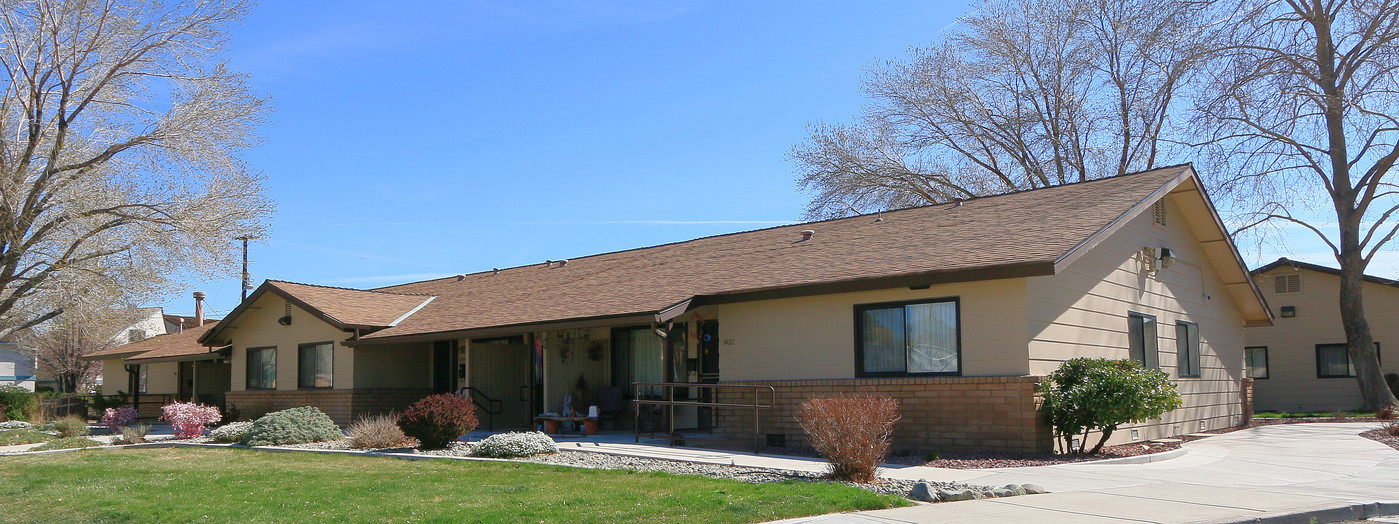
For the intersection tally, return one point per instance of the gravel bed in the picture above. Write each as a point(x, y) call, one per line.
point(1383, 437)
point(587, 459)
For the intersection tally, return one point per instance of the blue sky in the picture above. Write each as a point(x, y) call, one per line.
point(413, 140)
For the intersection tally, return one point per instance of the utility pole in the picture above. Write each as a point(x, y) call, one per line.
point(245, 239)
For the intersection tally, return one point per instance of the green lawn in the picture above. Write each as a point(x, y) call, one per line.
point(215, 485)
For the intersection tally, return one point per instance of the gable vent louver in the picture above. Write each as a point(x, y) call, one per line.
point(1287, 284)
point(1159, 213)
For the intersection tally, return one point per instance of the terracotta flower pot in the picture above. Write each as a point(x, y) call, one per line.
point(552, 427)
point(590, 427)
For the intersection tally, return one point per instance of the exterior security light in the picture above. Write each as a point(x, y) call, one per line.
point(1167, 257)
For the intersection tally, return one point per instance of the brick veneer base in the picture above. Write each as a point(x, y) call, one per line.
point(343, 405)
point(943, 413)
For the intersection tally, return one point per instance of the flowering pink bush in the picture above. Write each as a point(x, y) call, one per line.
point(189, 418)
point(118, 418)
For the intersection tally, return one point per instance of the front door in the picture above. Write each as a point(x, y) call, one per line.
point(444, 356)
point(708, 367)
point(185, 374)
point(500, 370)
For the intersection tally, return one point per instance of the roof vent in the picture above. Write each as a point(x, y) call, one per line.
point(563, 262)
point(957, 202)
point(461, 278)
point(548, 263)
point(495, 271)
point(807, 234)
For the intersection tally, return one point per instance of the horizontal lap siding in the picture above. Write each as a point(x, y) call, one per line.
point(1083, 311)
point(1292, 384)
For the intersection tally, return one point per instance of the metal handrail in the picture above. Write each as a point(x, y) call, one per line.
point(668, 399)
point(497, 408)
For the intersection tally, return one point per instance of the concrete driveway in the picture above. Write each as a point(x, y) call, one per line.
point(1249, 475)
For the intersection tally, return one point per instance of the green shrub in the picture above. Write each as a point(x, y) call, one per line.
point(292, 426)
point(68, 443)
point(231, 432)
point(515, 444)
point(71, 426)
point(16, 437)
point(438, 420)
point(1087, 394)
point(19, 403)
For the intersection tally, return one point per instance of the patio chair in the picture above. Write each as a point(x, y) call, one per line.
point(609, 404)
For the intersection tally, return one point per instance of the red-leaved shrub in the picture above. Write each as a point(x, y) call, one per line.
point(853, 433)
point(438, 420)
point(1385, 413)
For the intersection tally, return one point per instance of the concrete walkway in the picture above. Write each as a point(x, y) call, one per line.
point(1242, 476)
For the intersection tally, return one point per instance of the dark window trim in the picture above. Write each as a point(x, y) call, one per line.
point(1156, 339)
point(1199, 369)
point(1349, 364)
point(860, 338)
point(248, 370)
point(1267, 369)
point(303, 347)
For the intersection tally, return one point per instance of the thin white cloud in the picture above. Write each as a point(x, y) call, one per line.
point(357, 254)
point(570, 223)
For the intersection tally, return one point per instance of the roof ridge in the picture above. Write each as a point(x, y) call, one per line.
point(371, 290)
point(796, 224)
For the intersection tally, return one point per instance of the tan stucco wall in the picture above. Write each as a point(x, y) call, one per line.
point(257, 327)
point(393, 366)
point(814, 337)
point(1292, 384)
point(114, 377)
point(1083, 311)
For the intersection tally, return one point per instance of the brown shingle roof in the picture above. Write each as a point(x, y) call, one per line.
point(179, 344)
point(352, 307)
point(341, 307)
point(1027, 232)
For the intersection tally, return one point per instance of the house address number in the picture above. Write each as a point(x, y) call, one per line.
point(728, 342)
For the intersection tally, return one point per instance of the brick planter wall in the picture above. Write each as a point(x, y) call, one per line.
point(942, 413)
point(342, 405)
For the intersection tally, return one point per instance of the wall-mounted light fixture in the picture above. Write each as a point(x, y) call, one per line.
point(1168, 257)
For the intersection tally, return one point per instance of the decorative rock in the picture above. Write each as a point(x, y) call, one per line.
point(985, 495)
point(1033, 489)
point(923, 492)
point(1002, 492)
point(956, 495)
point(1015, 489)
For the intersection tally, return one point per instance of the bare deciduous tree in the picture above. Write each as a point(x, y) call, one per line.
point(119, 135)
point(1304, 104)
point(1023, 94)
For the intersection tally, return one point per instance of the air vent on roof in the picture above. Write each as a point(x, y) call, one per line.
point(808, 233)
point(1287, 283)
point(1159, 212)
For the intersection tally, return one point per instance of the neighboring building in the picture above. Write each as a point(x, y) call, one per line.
point(1301, 362)
point(17, 367)
point(167, 366)
point(957, 310)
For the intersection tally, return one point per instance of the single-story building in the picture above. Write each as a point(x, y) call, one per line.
point(1301, 363)
point(17, 366)
point(957, 310)
point(156, 369)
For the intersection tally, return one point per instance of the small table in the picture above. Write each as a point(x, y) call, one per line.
point(589, 424)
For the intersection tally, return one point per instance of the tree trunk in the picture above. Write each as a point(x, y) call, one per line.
point(1359, 341)
point(1107, 432)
